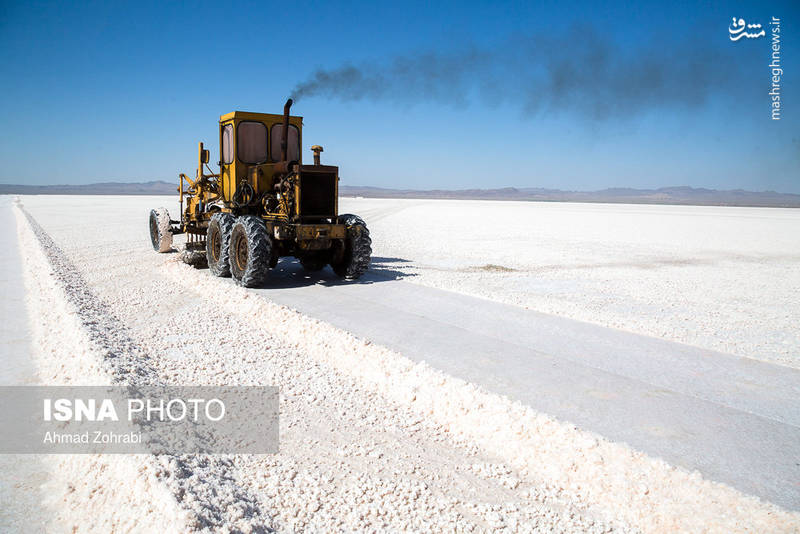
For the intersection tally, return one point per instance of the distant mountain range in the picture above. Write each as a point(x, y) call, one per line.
point(666, 195)
point(105, 188)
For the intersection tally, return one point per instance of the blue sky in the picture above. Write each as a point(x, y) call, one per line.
point(114, 92)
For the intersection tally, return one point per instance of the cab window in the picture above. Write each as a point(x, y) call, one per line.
point(227, 144)
point(251, 146)
point(292, 142)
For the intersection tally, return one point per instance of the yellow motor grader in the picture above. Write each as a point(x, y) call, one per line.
point(262, 205)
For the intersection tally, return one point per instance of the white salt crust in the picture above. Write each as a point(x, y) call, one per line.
point(369, 440)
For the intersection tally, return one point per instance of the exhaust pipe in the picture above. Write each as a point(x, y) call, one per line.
point(285, 133)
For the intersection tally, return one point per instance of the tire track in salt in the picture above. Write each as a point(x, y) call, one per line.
point(204, 485)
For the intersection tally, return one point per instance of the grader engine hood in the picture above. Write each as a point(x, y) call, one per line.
point(318, 191)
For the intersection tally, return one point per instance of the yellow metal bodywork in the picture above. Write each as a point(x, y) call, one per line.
point(282, 219)
point(264, 204)
point(235, 172)
point(199, 191)
point(320, 231)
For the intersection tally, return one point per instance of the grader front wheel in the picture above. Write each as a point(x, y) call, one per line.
point(160, 232)
point(250, 251)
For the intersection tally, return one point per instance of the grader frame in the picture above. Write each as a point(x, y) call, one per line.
point(277, 203)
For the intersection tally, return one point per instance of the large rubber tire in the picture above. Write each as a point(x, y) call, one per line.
point(218, 240)
point(357, 248)
point(250, 251)
point(160, 232)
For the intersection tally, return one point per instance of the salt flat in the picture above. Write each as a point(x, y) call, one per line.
point(669, 399)
point(358, 416)
point(721, 278)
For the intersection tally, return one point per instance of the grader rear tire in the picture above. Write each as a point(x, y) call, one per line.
point(218, 240)
point(354, 259)
point(160, 232)
point(250, 251)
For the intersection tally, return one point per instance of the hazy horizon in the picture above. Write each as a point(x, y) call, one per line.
point(355, 186)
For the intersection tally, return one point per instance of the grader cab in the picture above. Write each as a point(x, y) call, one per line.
point(263, 204)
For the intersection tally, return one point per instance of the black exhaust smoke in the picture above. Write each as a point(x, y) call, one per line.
point(578, 71)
